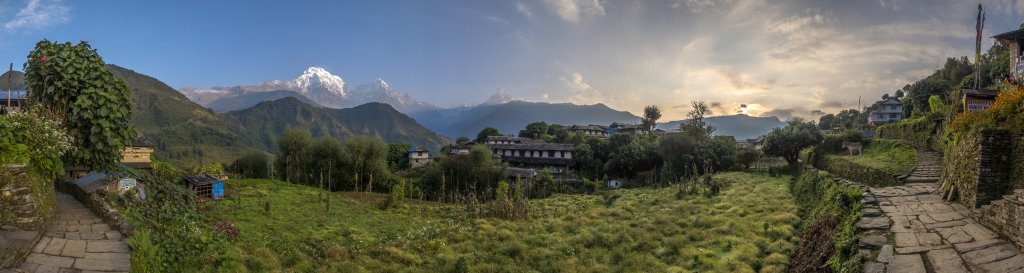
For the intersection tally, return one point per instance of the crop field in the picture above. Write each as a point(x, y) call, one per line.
point(747, 227)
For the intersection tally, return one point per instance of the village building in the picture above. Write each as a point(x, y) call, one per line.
point(1012, 40)
point(506, 140)
point(139, 154)
point(886, 111)
point(977, 100)
point(590, 130)
point(536, 155)
point(617, 127)
point(418, 157)
point(460, 149)
point(12, 99)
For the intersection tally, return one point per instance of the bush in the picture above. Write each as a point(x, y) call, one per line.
point(829, 211)
point(74, 82)
point(833, 143)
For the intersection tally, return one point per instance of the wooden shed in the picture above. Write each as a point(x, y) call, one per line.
point(204, 186)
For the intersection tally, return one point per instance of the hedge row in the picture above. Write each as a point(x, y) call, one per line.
point(857, 172)
point(916, 131)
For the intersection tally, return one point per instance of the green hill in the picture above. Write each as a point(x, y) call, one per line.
point(183, 132)
point(187, 134)
point(265, 122)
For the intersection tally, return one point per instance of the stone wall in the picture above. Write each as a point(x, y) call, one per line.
point(27, 204)
point(23, 204)
point(979, 167)
point(1005, 216)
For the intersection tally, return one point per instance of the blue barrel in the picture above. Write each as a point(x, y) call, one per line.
point(218, 190)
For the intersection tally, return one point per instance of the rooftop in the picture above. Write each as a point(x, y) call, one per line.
point(981, 93)
point(534, 146)
point(142, 141)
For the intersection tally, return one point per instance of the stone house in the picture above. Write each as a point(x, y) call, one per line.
point(590, 130)
point(460, 149)
point(1012, 40)
point(886, 111)
point(617, 127)
point(491, 140)
point(536, 155)
point(418, 157)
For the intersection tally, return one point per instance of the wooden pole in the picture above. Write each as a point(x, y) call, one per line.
point(10, 74)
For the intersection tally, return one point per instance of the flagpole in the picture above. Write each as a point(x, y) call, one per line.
point(10, 74)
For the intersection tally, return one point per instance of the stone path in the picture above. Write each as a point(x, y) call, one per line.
point(910, 229)
point(77, 241)
point(928, 169)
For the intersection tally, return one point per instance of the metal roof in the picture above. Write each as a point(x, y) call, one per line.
point(15, 95)
point(981, 93)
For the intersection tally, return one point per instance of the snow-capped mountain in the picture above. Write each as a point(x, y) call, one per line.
point(317, 84)
point(499, 97)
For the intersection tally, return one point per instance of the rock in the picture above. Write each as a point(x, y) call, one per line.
point(885, 255)
point(873, 267)
point(871, 241)
point(907, 264)
point(871, 212)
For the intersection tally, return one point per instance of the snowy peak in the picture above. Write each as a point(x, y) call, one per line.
point(500, 97)
point(382, 84)
point(318, 80)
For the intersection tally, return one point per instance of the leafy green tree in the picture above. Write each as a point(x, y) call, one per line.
point(936, 105)
point(326, 163)
point(747, 157)
point(462, 139)
point(788, 141)
point(535, 130)
point(455, 178)
point(827, 122)
point(73, 81)
point(368, 159)
point(486, 132)
point(651, 115)
point(292, 157)
point(397, 157)
point(252, 165)
point(695, 125)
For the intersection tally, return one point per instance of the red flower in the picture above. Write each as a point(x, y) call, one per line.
point(43, 58)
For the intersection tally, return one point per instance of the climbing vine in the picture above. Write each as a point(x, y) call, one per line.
point(73, 82)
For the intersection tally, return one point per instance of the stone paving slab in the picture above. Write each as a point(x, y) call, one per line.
point(78, 241)
point(930, 235)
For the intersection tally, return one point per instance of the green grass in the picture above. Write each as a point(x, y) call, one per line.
point(748, 227)
point(889, 155)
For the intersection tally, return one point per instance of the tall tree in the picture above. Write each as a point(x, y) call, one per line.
point(788, 141)
point(695, 124)
point(535, 130)
point(651, 115)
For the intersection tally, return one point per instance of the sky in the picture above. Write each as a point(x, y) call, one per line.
point(781, 58)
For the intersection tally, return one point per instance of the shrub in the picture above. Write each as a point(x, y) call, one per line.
point(74, 82)
point(829, 211)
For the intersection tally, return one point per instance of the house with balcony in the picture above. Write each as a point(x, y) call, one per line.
point(418, 157)
point(536, 155)
point(590, 130)
point(886, 111)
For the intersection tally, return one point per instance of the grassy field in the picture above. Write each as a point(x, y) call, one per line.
point(748, 227)
point(892, 156)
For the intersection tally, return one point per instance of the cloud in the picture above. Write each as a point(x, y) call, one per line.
point(575, 82)
point(817, 112)
point(524, 9)
point(830, 104)
point(37, 14)
point(580, 92)
point(574, 10)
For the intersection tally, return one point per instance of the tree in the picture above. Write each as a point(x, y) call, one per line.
point(486, 132)
point(292, 149)
point(368, 159)
point(252, 165)
point(695, 124)
point(827, 122)
point(74, 82)
point(885, 96)
point(535, 130)
point(651, 115)
point(397, 158)
point(461, 139)
point(899, 94)
point(747, 157)
point(788, 141)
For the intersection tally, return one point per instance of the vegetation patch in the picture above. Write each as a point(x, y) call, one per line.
point(891, 156)
point(748, 227)
point(828, 211)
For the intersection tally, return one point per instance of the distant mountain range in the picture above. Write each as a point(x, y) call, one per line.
point(316, 84)
point(187, 133)
point(740, 126)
